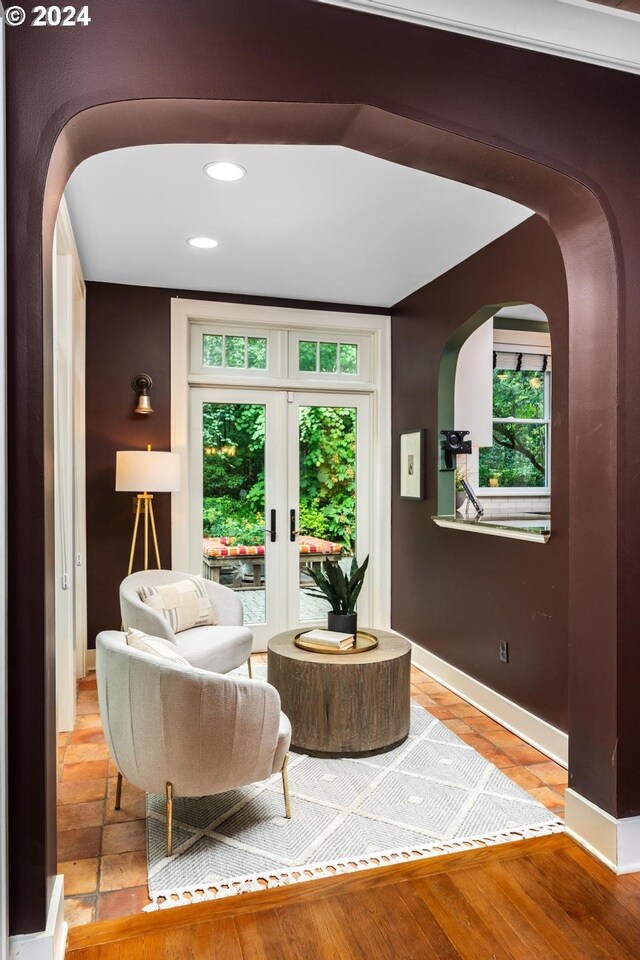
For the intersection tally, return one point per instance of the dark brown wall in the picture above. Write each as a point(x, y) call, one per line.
point(458, 593)
point(560, 136)
point(129, 332)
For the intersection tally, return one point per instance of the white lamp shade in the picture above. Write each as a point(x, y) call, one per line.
point(147, 471)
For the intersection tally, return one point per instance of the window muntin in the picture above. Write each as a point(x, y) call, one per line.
point(519, 457)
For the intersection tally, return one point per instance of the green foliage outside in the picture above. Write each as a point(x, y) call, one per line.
point(233, 472)
point(518, 455)
point(221, 351)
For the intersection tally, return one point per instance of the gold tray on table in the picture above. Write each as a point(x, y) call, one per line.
point(364, 641)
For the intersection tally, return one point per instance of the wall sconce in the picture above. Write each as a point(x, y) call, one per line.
point(141, 384)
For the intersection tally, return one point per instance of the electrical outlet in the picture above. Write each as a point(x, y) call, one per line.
point(503, 647)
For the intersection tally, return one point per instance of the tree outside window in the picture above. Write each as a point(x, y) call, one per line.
point(519, 456)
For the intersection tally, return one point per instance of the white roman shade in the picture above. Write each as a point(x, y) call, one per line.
point(511, 360)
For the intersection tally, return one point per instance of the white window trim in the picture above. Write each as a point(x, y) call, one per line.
point(277, 319)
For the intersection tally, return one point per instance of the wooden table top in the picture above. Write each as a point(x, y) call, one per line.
point(390, 646)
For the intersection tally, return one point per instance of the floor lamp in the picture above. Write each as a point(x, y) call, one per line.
point(146, 470)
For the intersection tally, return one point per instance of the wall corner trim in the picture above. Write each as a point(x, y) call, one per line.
point(47, 944)
point(616, 843)
point(543, 736)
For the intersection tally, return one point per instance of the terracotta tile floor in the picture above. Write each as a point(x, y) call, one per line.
point(101, 851)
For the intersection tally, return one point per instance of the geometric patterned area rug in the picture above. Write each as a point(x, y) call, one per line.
point(432, 795)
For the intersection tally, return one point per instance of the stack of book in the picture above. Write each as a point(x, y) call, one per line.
point(331, 639)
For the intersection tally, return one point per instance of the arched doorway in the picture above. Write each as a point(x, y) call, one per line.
point(573, 211)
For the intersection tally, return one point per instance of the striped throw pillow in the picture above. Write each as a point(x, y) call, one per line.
point(156, 647)
point(184, 604)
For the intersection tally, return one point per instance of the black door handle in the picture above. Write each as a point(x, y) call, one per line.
point(273, 531)
point(292, 526)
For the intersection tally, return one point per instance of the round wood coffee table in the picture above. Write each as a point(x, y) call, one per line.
point(352, 705)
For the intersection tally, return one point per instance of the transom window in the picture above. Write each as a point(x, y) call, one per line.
point(221, 350)
point(519, 457)
point(320, 356)
point(226, 352)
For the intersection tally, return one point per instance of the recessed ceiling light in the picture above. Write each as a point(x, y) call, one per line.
point(225, 170)
point(202, 243)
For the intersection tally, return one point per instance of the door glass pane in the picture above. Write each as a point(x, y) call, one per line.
point(327, 497)
point(328, 357)
point(308, 355)
point(233, 509)
point(212, 350)
point(234, 351)
point(257, 353)
point(348, 358)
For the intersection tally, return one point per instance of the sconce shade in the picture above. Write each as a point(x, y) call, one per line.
point(148, 471)
point(144, 404)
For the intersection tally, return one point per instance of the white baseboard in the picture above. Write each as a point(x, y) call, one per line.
point(535, 731)
point(90, 660)
point(48, 944)
point(615, 842)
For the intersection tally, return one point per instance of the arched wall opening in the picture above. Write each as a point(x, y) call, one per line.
point(474, 590)
point(580, 225)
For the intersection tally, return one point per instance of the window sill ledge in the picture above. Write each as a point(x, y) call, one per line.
point(494, 527)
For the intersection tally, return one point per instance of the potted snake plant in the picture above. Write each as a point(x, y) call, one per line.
point(342, 591)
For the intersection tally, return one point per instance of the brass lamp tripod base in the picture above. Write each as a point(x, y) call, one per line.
point(144, 508)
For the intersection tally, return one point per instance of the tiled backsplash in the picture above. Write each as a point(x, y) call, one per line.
point(515, 505)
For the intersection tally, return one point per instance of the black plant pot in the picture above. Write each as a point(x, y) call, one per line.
point(342, 622)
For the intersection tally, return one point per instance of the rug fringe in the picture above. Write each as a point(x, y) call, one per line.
point(266, 880)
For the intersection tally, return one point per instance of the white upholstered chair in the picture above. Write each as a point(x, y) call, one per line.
point(186, 732)
point(221, 648)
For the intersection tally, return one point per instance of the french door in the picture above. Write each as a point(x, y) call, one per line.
point(279, 484)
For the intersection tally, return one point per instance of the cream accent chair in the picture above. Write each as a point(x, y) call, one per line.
point(221, 648)
point(186, 732)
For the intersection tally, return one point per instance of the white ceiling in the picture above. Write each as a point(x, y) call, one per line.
point(575, 29)
point(523, 311)
point(307, 222)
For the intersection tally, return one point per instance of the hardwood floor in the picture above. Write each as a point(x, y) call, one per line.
point(543, 899)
